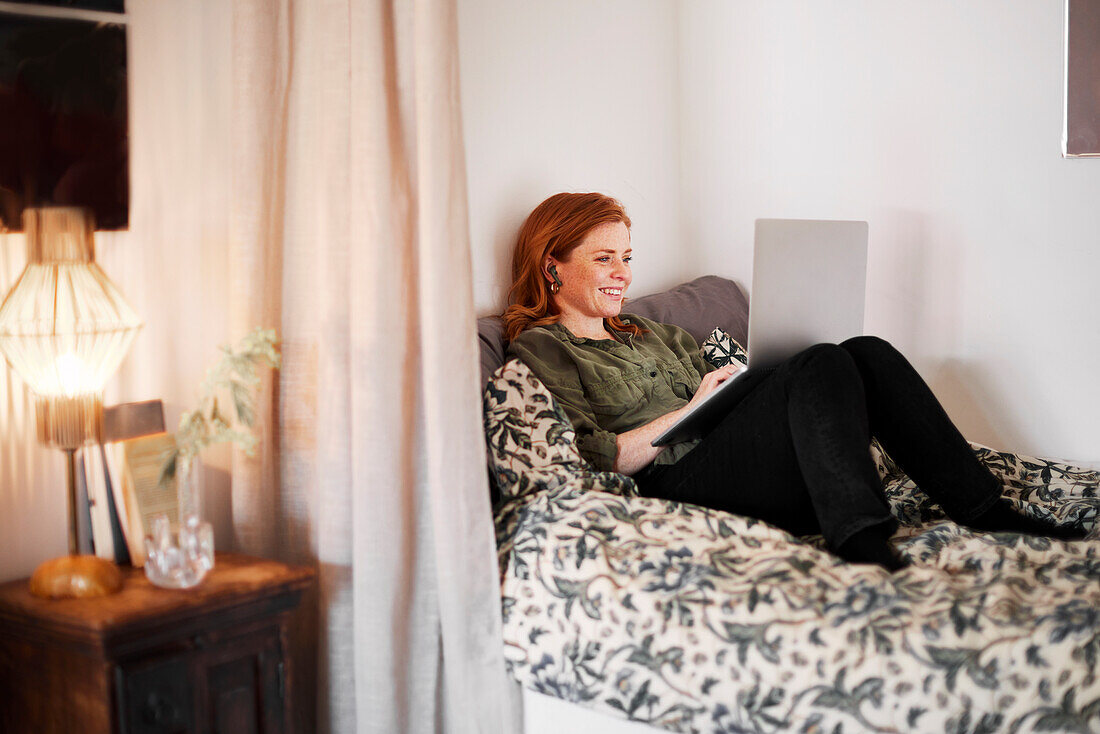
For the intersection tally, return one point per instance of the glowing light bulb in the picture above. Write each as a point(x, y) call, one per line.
point(72, 373)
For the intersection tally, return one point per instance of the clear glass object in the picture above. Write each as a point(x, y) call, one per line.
point(189, 487)
point(183, 561)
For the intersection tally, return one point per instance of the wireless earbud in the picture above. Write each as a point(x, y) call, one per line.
point(556, 285)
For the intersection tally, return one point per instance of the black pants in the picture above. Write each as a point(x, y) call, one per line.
point(795, 451)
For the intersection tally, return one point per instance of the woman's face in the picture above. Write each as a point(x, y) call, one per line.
point(596, 276)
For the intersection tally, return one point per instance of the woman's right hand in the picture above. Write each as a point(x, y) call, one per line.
point(712, 380)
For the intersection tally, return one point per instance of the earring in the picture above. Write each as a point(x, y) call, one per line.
point(556, 285)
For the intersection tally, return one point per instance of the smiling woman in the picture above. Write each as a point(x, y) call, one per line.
point(580, 244)
point(799, 434)
point(591, 283)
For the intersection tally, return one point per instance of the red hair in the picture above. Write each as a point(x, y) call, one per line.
point(554, 229)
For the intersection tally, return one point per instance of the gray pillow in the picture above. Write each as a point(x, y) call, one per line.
point(699, 306)
point(490, 340)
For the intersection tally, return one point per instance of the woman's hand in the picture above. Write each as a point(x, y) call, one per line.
point(712, 380)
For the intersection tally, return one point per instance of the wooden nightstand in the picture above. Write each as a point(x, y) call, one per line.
point(153, 661)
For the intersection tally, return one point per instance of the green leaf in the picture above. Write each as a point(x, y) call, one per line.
point(168, 471)
point(236, 372)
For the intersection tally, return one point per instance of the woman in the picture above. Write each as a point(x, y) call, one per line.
point(793, 452)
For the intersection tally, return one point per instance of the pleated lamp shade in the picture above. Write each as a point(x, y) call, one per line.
point(64, 327)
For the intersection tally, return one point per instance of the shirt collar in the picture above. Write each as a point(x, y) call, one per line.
point(621, 336)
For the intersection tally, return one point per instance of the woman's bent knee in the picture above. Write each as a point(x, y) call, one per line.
point(868, 345)
point(824, 353)
point(828, 358)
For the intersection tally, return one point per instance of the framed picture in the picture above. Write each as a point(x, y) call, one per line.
point(64, 135)
point(1081, 135)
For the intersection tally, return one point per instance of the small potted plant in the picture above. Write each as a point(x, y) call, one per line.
point(226, 413)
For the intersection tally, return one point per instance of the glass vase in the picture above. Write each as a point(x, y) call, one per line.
point(180, 557)
point(189, 488)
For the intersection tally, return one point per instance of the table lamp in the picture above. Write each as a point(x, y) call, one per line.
point(64, 328)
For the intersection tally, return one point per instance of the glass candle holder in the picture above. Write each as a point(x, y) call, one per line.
point(181, 562)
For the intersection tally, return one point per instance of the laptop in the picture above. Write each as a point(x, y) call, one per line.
point(808, 282)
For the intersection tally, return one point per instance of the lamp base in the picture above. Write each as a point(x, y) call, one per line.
point(75, 576)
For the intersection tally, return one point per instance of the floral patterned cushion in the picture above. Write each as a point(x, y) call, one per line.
point(721, 349)
point(531, 443)
point(696, 620)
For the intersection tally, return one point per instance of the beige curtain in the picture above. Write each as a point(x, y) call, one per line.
point(348, 227)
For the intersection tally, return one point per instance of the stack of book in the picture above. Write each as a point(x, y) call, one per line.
point(118, 483)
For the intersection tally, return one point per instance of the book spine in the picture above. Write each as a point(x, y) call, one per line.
point(118, 539)
point(84, 540)
point(97, 496)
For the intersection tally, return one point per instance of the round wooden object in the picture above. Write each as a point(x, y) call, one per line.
point(79, 576)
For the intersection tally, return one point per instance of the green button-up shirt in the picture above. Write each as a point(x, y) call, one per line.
point(610, 386)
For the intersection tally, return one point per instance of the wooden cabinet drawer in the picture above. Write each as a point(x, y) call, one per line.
point(245, 684)
point(157, 698)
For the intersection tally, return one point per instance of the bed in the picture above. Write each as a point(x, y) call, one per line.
point(686, 619)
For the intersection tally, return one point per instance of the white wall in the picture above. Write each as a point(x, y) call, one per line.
point(939, 122)
point(571, 96)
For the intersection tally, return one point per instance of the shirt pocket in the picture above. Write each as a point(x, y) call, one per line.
point(684, 379)
point(616, 405)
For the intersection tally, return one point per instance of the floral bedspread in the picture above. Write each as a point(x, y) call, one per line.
point(696, 620)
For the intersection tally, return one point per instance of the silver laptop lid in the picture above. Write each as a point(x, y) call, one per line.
point(808, 283)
